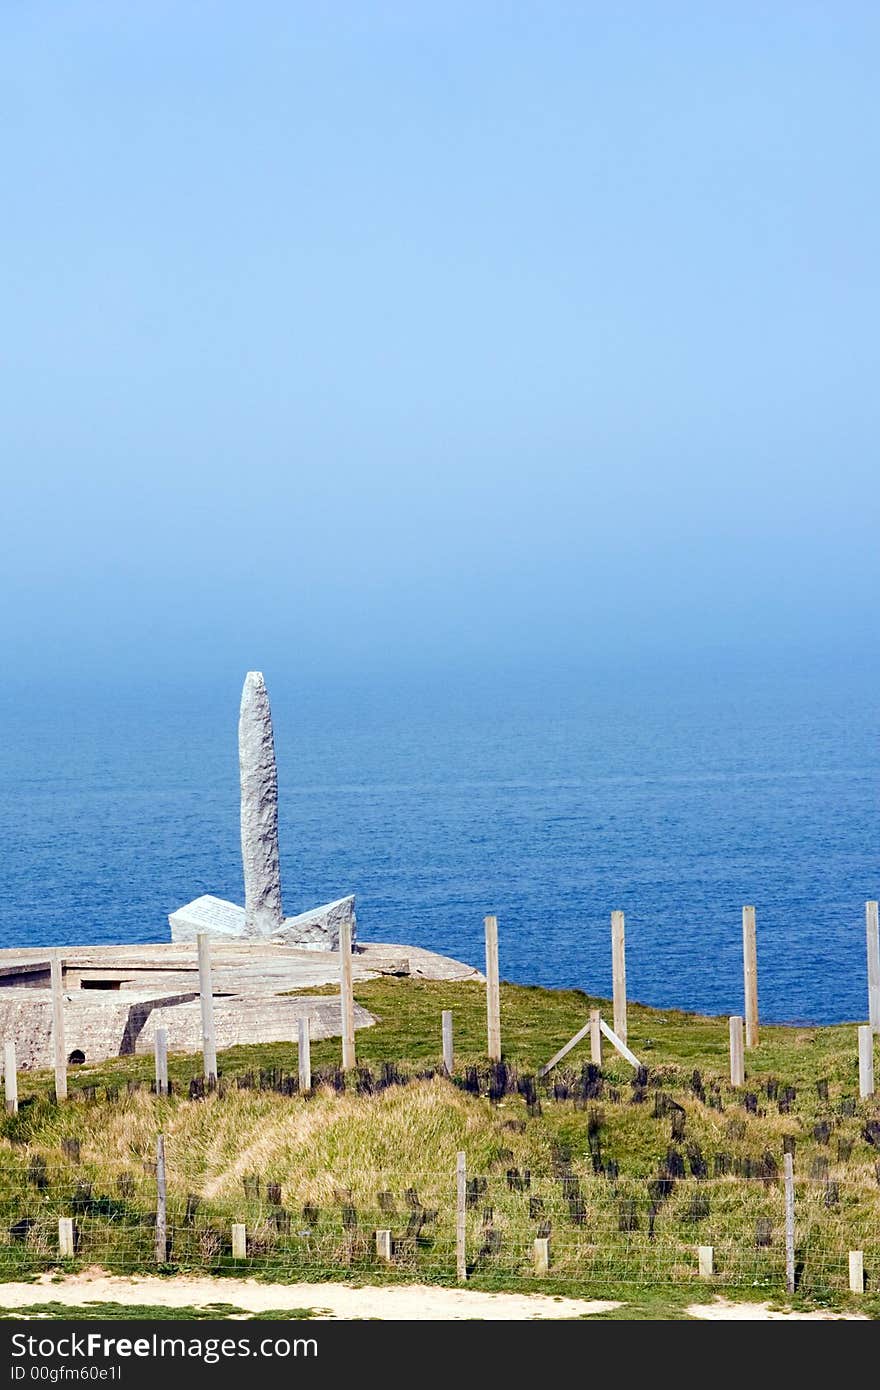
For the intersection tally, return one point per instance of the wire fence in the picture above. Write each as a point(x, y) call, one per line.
point(599, 1232)
point(572, 1217)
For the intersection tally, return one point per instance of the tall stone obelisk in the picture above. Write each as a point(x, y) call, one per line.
point(259, 810)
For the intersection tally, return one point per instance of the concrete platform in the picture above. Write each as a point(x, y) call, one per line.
point(116, 996)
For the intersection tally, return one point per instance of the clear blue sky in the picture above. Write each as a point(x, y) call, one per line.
point(341, 334)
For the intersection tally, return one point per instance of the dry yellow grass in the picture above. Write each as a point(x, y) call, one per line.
point(311, 1148)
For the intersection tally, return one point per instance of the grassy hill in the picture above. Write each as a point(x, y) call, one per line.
point(628, 1173)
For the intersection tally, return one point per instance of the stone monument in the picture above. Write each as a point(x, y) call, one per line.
point(259, 810)
point(262, 917)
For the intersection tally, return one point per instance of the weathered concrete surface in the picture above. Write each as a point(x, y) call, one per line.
point(259, 1019)
point(134, 981)
point(317, 930)
point(259, 810)
point(237, 967)
point(96, 1024)
point(38, 974)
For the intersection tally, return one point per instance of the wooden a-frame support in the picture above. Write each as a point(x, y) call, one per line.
point(609, 1033)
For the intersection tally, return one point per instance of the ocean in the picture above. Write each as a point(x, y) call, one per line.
point(548, 799)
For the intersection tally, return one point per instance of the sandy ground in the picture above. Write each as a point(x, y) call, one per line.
point(407, 1302)
point(401, 1301)
point(722, 1310)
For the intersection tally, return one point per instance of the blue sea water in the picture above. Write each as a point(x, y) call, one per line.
point(547, 801)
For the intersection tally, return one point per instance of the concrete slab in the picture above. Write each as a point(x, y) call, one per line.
point(114, 994)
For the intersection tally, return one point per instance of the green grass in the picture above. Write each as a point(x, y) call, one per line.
point(333, 1153)
point(87, 1312)
point(535, 1023)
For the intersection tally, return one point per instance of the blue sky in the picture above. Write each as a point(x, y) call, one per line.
point(405, 335)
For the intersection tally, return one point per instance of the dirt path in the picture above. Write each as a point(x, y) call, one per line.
point(722, 1310)
point(407, 1302)
point(399, 1301)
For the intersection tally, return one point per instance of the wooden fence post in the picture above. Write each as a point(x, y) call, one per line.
point(873, 933)
point(239, 1240)
point(750, 975)
point(347, 997)
point(161, 1203)
point(493, 997)
point(541, 1250)
point(856, 1271)
point(59, 1047)
point(383, 1246)
point(448, 1052)
point(706, 1260)
point(737, 1061)
point(10, 1077)
point(304, 1032)
point(866, 1061)
point(206, 997)
point(461, 1217)
point(65, 1237)
point(788, 1166)
point(595, 1038)
point(618, 973)
point(161, 1049)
